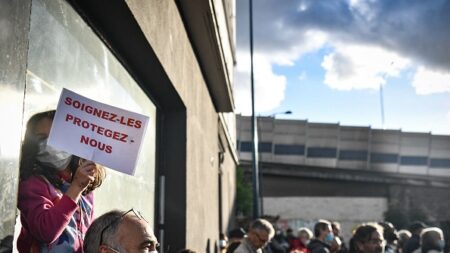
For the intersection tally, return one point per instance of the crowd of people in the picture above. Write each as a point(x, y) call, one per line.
point(379, 237)
point(56, 210)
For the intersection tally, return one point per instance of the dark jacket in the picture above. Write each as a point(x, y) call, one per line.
point(317, 246)
point(412, 244)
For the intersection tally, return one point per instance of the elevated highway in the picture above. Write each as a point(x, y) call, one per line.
point(349, 174)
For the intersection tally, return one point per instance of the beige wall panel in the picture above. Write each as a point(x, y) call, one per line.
point(165, 31)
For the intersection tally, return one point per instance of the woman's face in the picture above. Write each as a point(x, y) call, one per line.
point(46, 155)
point(304, 237)
point(42, 128)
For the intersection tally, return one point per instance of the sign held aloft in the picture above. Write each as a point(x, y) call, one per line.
point(98, 132)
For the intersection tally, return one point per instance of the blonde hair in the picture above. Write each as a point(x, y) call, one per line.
point(98, 179)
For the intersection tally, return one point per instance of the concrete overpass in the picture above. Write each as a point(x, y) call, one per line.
point(350, 174)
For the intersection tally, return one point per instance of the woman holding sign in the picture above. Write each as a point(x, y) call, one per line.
point(55, 192)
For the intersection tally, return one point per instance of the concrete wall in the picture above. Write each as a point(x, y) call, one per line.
point(228, 192)
point(431, 201)
point(164, 29)
point(305, 211)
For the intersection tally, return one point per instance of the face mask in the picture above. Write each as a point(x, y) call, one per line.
point(222, 244)
point(305, 242)
point(329, 238)
point(51, 157)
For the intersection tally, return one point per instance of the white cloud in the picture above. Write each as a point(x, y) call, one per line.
point(427, 81)
point(269, 87)
point(353, 66)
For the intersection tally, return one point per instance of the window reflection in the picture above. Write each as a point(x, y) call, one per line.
point(65, 53)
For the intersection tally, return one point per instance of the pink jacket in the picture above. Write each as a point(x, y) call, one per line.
point(50, 220)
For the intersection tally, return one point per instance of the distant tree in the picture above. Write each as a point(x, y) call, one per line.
point(397, 216)
point(401, 218)
point(244, 194)
point(418, 214)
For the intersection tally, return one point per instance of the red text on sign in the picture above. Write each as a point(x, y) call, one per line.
point(97, 129)
point(96, 144)
point(103, 114)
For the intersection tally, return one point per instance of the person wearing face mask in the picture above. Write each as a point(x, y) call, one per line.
point(55, 192)
point(323, 236)
point(304, 236)
point(431, 241)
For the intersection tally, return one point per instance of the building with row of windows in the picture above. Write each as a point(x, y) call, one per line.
point(347, 147)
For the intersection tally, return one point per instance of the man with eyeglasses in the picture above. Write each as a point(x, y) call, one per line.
point(368, 238)
point(119, 232)
point(259, 234)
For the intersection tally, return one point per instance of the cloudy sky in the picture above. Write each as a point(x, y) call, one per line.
point(325, 60)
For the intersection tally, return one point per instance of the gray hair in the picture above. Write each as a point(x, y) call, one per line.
point(93, 236)
point(429, 234)
point(262, 224)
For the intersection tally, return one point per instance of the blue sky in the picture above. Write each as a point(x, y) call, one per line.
point(325, 61)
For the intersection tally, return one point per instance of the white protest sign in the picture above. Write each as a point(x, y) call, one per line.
point(98, 132)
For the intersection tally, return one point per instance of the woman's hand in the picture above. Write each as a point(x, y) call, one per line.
point(84, 175)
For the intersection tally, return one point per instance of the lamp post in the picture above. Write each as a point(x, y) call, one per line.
point(255, 169)
point(278, 113)
point(260, 176)
point(257, 206)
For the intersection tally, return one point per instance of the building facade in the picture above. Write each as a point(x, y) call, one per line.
point(166, 59)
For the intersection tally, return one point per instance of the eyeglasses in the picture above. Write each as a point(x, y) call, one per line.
point(113, 250)
point(138, 215)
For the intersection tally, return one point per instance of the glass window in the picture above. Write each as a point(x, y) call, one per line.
point(439, 163)
point(414, 160)
point(246, 146)
point(322, 152)
point(284, 149)
point(383, 158)
point(14, 33)
point(353, 155)
point(65, 52)
point(265, 147)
